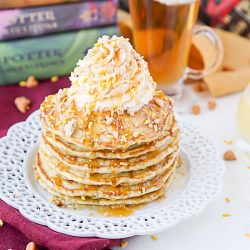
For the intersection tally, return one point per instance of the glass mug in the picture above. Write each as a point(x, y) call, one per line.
point(162, 33)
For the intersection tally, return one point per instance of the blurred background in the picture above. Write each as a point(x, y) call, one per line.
point(45, 38)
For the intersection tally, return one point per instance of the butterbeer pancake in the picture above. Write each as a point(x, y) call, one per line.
point(106, 130)
point(101, 165)
point(110, 139)
point(70, 201)
point(72, 188)
point(74, 150)
point(113, 179)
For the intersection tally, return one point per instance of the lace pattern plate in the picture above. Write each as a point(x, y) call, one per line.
point(197, 182)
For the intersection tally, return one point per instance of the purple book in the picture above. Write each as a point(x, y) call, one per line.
point(34, 21)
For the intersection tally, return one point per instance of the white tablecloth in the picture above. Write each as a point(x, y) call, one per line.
point(210, 230)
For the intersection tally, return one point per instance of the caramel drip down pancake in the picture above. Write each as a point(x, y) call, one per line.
point(110, 139)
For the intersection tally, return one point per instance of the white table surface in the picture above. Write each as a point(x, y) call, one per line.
point(210, 230)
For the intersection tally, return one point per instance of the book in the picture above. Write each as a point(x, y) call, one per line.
point(26, 22)
point(4, 4)
point(46, 56)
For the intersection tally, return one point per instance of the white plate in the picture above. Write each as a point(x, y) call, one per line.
point(197, 182)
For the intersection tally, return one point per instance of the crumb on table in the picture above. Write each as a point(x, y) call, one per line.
point(212, 104)
point(154, 237)
point(196, 109)
point(22, 104)
point(226, 215)
point(229, 156)
point(123, 244)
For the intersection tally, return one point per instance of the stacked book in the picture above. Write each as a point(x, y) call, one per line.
point(46, 37)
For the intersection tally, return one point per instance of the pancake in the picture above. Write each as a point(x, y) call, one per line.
point(124, 178)
point(100, 165)
point(68, 201)
point(106, 130)
point(137, 150)
point(72, 188)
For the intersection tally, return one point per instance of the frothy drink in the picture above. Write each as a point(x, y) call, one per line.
point(162, 34)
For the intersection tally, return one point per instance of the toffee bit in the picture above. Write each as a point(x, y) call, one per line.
point(1, 223)
point(31, 82)
point(22, 104)
point(198, 87)
point(124, 139)
point(154, 237)
point(226, 215)
point(54, 79)
point(57, 203)
point(212, 104)
point(31, 246)
point(22, 83)
point(248, 167)
point(228, 142)
point(229, 156)
point(124, 244)
point(196, 109)
point(247, 235)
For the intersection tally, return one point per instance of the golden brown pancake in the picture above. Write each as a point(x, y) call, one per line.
point(107, 130)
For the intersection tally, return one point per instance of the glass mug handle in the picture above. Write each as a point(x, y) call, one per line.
point(196, 74)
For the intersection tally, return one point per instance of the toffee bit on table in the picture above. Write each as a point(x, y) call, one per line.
point(212, 104)
point(31, 82)
point(248, 167)
point(228, 142)
point(196, 109)
point(198, 87)
point(1, 223)
point(154, 237)
point(247, 235)
point(31, 246)
point(22, 83)
point(229, 156)
point(54, 78)
point(123, 244)
point(22, 104)
point(227, 199)
point(226, 215)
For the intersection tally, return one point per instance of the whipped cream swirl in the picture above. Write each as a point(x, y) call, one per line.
point(112, 76)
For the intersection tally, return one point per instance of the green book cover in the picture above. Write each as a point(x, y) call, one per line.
point(46, 56)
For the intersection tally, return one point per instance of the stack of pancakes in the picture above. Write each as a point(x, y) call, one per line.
point(110, 159)
point(111, 139)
